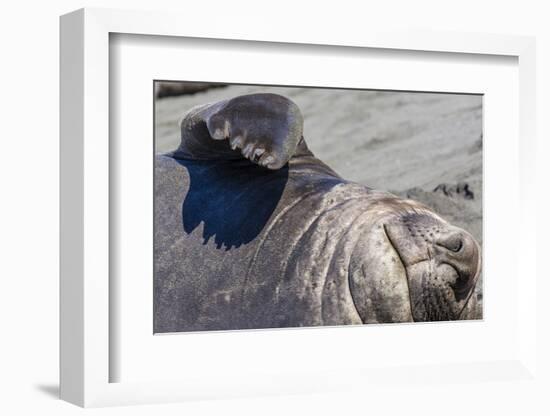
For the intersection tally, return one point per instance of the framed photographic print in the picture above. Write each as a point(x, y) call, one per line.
point(261, 221)
point(289, 220)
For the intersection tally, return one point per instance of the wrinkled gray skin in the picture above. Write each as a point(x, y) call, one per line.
point(253, 231)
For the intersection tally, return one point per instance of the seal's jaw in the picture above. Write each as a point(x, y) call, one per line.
point(442, 264)
point(378, 279)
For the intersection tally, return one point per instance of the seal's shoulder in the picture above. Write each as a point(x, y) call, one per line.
point(170, 173)
point(165, 161)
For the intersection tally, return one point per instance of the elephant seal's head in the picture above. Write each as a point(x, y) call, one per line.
point(411, 265)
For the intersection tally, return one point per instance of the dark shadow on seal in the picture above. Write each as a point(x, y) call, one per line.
point(234, 199)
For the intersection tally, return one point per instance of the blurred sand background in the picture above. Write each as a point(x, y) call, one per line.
point(423, 146)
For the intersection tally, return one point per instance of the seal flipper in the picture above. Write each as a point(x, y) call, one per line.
point(263, 128)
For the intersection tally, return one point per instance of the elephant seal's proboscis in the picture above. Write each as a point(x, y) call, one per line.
point(253, 231)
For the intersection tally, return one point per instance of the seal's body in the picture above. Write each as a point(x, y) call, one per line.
point(253, 231)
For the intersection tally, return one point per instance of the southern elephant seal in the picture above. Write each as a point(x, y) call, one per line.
point(253, 231)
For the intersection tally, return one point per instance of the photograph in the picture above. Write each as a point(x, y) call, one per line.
point(290, 206)
point(244, 208)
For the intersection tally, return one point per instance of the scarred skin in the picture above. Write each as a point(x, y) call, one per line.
point(253, 231)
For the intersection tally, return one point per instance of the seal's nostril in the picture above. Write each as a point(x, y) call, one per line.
point(453, 242)
point(457, 247)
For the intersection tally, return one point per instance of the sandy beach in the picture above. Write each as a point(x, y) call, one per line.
point(423, 146)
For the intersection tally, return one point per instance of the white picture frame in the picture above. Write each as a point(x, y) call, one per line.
point(85, 182)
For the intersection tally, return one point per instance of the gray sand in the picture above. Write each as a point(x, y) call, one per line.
point(406, 143)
